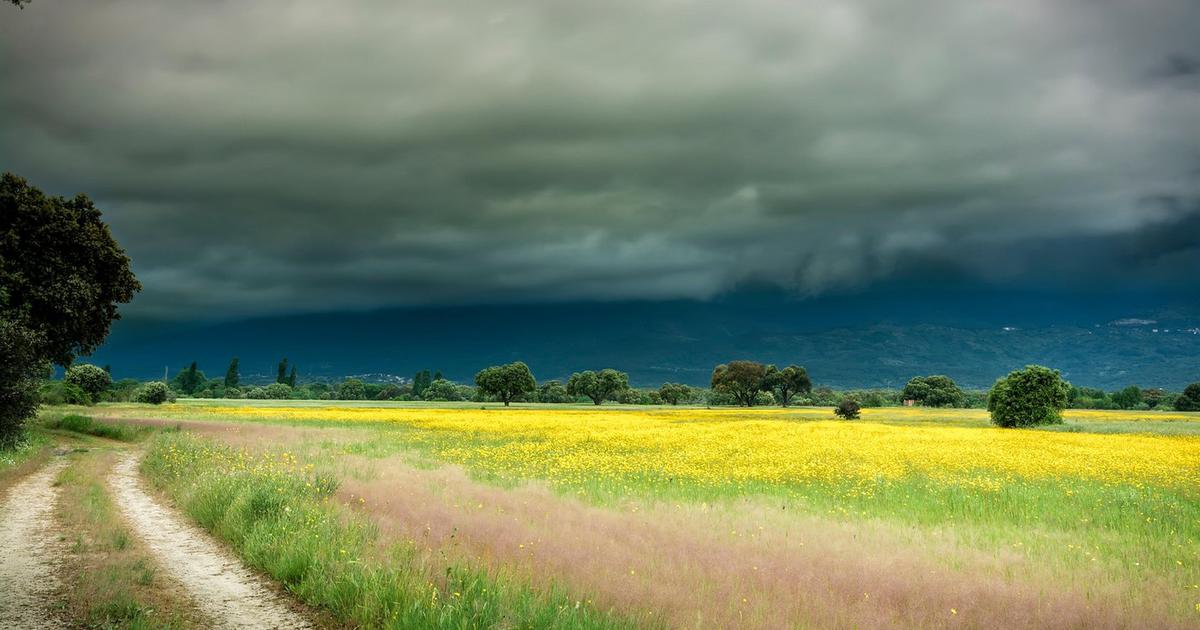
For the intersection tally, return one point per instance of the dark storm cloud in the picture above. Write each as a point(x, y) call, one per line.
point(267, 156)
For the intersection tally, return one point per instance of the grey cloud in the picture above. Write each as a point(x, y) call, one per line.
point(298, 155)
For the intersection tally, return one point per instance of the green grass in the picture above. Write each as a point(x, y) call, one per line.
point(282, 522)
point(24, 449)
point(111, 580)
point(86, 425)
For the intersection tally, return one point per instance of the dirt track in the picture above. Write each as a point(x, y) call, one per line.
point(28, 552)
point(224, 590)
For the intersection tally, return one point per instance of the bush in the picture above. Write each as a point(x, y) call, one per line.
point(278, 391)
point(257, 393)
point(1189, 400)
point(89, 378)
point(1030, 397)
point(442, 390)
point(154, 393)
point(351, 389)
point(848, 409)
point(63, 393)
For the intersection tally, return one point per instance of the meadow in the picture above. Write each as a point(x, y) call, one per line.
point(470, 515)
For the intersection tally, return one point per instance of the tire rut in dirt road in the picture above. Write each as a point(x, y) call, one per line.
point(223, 588)
point(29, 552)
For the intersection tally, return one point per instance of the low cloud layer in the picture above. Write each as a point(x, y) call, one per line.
point(274, 156)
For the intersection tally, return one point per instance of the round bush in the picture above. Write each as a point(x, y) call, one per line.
point(154, 392)
point(848, 409)
point(1030, 397)
point(89, 378)
point(257, 393)
point(278, 391)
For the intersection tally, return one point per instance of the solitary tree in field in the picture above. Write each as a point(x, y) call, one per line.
point(61, 278)
point(742, 380)
point(788, 382)
point(231, 374)
point(599, 386)
point(90, 378)
point(1189, 400)
point(933, 391)
point(673, 393)
point(1029, 397)
point(506, 383)
point(848, 409)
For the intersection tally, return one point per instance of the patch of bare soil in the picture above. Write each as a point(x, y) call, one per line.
point(29, 552)
point(222, 587)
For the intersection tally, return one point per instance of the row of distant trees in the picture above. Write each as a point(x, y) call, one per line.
point(744, 383)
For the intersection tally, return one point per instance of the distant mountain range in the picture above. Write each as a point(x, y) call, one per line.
point(842, 341)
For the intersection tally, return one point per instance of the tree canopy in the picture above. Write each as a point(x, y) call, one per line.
point(61, 273)
point(1189, 400)
point(506, 383)
point(787, 382)
point(598, 386)
point(742, 380)
point(933, 391)
point(1028, 397)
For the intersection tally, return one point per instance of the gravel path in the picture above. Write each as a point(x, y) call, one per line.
point(223, 589)
point(29, 551)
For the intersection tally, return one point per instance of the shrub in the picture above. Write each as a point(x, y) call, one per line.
point(257, 393)
point(278, 391)
point(234, 392)
point(442, 390)
point(351, 389)
point(848, 409)
point(1189, 400)
point(154, 393)
point(63, 393)
point(1030, 397)
point(89, 378)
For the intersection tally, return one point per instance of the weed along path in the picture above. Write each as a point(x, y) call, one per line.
point(28, 554)
point(224, 589)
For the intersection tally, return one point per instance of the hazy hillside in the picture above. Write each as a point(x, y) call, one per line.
point(681, 341)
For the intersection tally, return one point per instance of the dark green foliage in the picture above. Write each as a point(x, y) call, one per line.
point(351, 389)
point(741, 380)
point(600, 386)
point(62, 273)
point(232, 376)
point(190, 380)
point(291, 379)
point(154, 392)
point(442, 390)
point(420, 382)
point(1127, 398)
point(934, 391)
point(790, 381)
point(1189, 400)
point(848, 409)
point(674, 393)
point(553, 392)
point(1033, 396)
point(281, 371)
point(21, 372)
point(506, 383)
point(89, 378)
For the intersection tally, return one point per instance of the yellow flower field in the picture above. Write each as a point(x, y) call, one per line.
point(723, 447)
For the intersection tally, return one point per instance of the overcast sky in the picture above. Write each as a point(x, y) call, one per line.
point(285, 156)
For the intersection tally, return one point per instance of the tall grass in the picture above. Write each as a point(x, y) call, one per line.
point(279, 518)
point(85, 424)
